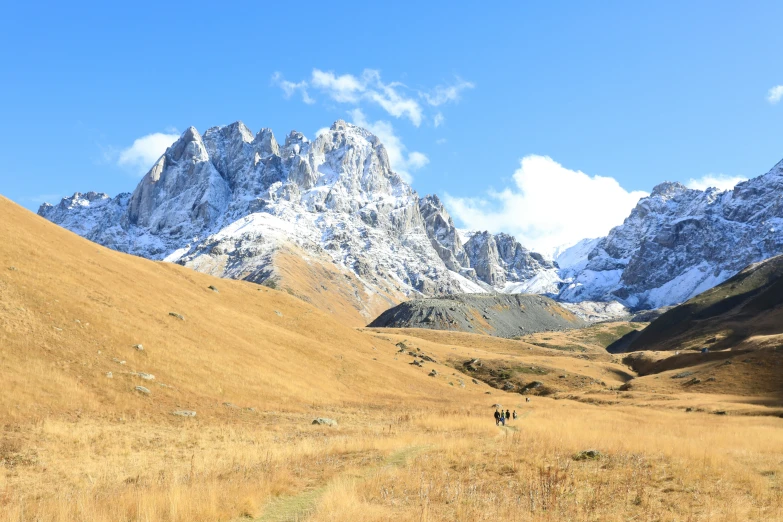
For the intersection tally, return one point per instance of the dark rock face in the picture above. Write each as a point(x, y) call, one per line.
point(499, 315)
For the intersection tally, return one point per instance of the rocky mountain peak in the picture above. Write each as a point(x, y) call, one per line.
point(668, 189)
point(266, 144)
point(501, 260)
point(188, 147)
point(295, 138)
point(228, 201)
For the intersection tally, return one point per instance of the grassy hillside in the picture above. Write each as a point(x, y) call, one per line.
point(71, 309)
point(257, 365)
point(747, 305)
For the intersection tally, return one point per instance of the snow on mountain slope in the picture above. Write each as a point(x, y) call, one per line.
point(679, 242)
point(227, 201)
point(574, 258)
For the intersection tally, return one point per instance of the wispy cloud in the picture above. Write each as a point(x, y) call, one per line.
point(719, 181)
point(438, 120)
point(775, 94)
point(548, 205)
point(346, 88)
point(368, 88)
point(144, 151)
point(446, 93)
point(402, 161)
point(289, 88)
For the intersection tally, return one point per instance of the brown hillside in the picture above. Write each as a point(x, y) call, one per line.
point(258, 365)
point(70, 308)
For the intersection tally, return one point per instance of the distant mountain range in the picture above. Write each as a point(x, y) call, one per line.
point(331, 222)
point(677, 243)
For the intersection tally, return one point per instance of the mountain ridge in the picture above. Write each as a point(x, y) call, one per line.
point(224, 203)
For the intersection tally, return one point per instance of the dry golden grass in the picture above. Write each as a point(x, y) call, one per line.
point(340, 293)
point(77, 445)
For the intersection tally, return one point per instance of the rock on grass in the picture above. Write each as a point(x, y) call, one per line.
point(590, 454)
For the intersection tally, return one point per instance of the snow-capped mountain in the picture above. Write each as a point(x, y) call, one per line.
point(239, 205)
point(331, 222)
point(679, 242)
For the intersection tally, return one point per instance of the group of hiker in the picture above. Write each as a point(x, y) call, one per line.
point(501, 417)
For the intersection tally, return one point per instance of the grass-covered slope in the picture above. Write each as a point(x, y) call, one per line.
point(747, 305)
point(72, 311)
point(258, 365)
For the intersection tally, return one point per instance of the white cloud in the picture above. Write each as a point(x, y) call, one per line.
point(438, 120)
point(145, 151)
point(446, 93)
point(440, 141)
point(289, 88)
point(775, 94)
point(402, 162)
point(344, 89)
point(720, 181)
point(548, 206)
point(369, 88)
point(348, 88)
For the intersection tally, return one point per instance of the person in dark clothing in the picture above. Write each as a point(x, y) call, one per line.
point(497, 417)
point(514, 414)
point(508, 414)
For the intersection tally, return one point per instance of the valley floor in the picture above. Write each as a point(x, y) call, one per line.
point(99, 350)
point(439, 458)
point(399, 462)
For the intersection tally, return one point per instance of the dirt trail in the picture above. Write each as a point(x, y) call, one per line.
point(296, 508)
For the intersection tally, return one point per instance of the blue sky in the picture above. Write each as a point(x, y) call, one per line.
point(636, 92)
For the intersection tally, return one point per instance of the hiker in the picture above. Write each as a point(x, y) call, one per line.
point(508, 414)
point(527, 399)
point(502, 419)
point(515, 414)
point(497, 417)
